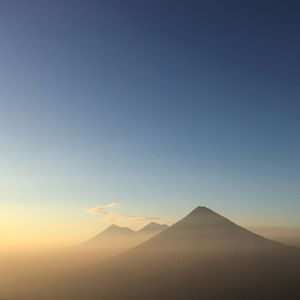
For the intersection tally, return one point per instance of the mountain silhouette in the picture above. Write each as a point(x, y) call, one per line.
point(203, 229)
point(117, 235)
point(113, 233)
point(203, 256)
point(115, 229)
point(111, 241)
point(153, 227)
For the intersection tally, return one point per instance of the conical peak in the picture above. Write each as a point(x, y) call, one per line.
point(117, 229)
point(203, 218)
point(201, 210)
point(153, 227)
point(112, 233)
point(202, 227)
point(153, 224)
point(113, 226)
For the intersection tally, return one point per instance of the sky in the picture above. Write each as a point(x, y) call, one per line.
point(147, 108)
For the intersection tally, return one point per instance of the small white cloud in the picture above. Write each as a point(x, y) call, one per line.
point(112, 216)
point(102, 209)
point(140, 218)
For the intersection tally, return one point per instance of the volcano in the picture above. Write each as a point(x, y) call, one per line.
point(153, 227)
point(111, 235)
point(204, 230)
point(123, 237)
point(112, 241)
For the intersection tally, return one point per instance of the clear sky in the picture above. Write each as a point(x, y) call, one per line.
point(159, 106)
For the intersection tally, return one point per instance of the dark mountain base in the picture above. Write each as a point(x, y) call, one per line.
point(264, 276)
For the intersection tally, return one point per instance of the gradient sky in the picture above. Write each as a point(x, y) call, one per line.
point(157, 105)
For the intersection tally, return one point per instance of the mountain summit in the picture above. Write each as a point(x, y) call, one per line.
point(153, 227)
point(115, 229)
point(203, 229)
point(112, 234)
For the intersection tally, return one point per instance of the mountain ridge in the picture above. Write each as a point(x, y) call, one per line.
point(116, 233)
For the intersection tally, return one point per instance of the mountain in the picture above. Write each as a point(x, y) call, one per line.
point(123, 236)
point(115, 229)
point(203, 256)
point(202, 230)
point(110, 242)
point(112, 234)
point(153, 228)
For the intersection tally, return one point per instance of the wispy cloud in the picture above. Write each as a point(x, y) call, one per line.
point(103, 209)
point(113, 216)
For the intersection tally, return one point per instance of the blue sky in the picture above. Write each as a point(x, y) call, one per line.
point(158, 105)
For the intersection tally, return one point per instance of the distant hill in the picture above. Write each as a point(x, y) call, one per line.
point(153, 228)
point(112, 235)
point(114, 229)
point(110, 242)
point(123, 237)
point(204, 256)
